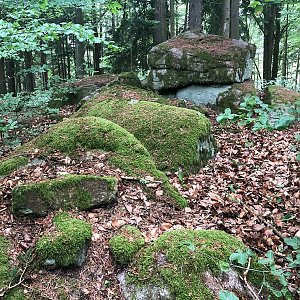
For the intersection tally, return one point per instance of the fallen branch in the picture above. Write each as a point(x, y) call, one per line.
point(139, 179)
point(256, 297)
point(3, 209)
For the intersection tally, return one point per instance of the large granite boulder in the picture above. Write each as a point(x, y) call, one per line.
point(196, 58)
point(81, 192)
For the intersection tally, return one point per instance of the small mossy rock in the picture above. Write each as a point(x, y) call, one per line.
point(129, 78)
point(9, 165)
point(15, 294)
point(74, 92)
point(182, 263)
point(235, 95)
point(282, 95)
point(93, 133)
point(67, 246)
point(82, 192)
point(125, 244)
point(175, 137)
point(197, 58)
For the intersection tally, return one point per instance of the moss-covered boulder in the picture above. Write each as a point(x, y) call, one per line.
point(175, 137)
point(80, 192)
point(129, 78)
point(14, 294)
point(185, 265)
point(11, 164)
point(92, 133)
point(67, 246)
point(125, 244)
point(196, 58)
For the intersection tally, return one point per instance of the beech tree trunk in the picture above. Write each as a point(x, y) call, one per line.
point(195, 14)
point(226, 18)
point(10, 75)
point(172, 18)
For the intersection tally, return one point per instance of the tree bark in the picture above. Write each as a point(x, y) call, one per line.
point(160, 15)
point(3, 89)
point(172, 18)
point(29, 78)
point(226, 18)
point(195, 14)
point(235, 20)
point(277, 39)
point(80, 46)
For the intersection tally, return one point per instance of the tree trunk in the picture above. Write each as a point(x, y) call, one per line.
point(80, 46)
point(216, 15)
point(269, 18)
point(45, 73)
point(172, 18)
point(29, 78)
point(285, 48)
point(160, 15)
point(297, 71)
point(235, 20)
point(226, 18)
point(277, 39)
point(3, 89)
point(10, 74)
point(195, 14)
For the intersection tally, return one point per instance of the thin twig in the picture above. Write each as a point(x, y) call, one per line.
point(3, 209)
point(139, 179)
point(246, 281)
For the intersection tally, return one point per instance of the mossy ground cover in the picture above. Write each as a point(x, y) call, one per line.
point(126, 244)
point(9, 165)
point(15, 294)
point(178, 259)
point(66, 244)
point(93, 133)
point(170, 134)
point(279, 94)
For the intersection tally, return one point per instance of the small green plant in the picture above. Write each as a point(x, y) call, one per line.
point(240, 259)
point(253, 111)
point(5, 126)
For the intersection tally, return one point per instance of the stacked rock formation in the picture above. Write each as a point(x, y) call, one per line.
point(199, 67)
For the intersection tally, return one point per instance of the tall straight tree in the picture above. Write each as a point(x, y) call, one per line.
point(80, 46)
point(234, 19)
point(160, 15)
point(195, 14)
point(3, 89)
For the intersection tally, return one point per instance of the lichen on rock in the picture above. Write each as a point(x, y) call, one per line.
point(125, 244)
point(67, 246)
point(82, 192)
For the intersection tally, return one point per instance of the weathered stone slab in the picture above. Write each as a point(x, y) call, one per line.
point(69, 192)
point(196, 58)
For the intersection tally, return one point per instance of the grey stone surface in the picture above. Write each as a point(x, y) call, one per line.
point(197, 58)
point(150, 292)
point(202, 95)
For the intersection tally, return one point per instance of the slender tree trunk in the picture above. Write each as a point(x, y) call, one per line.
point(269, 18)
point(160, 33)
point(195, 14)
point(172, 18)
point(3, 89)
point(10, 75)
point(277, 39)
point(235, 20)
point(80, 47)
point(226, 18)
point(29, 78)
point(297, 70)
point(186, 16)
point(45, 73)
point(285, 48)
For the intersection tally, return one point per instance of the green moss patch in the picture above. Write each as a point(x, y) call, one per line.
point(9, 165)
point(178, 260)
point(15, 294)
point(93, 133)
point(126, 244)
point(81, 192)
point(171, 134)
point(67, 246)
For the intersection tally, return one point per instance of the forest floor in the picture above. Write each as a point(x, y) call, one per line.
point(253, 181)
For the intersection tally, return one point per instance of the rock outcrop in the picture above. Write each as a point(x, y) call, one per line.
point(200, 67)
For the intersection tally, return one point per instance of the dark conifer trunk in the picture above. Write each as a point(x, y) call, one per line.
point(3, 89)
point(10, 75)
